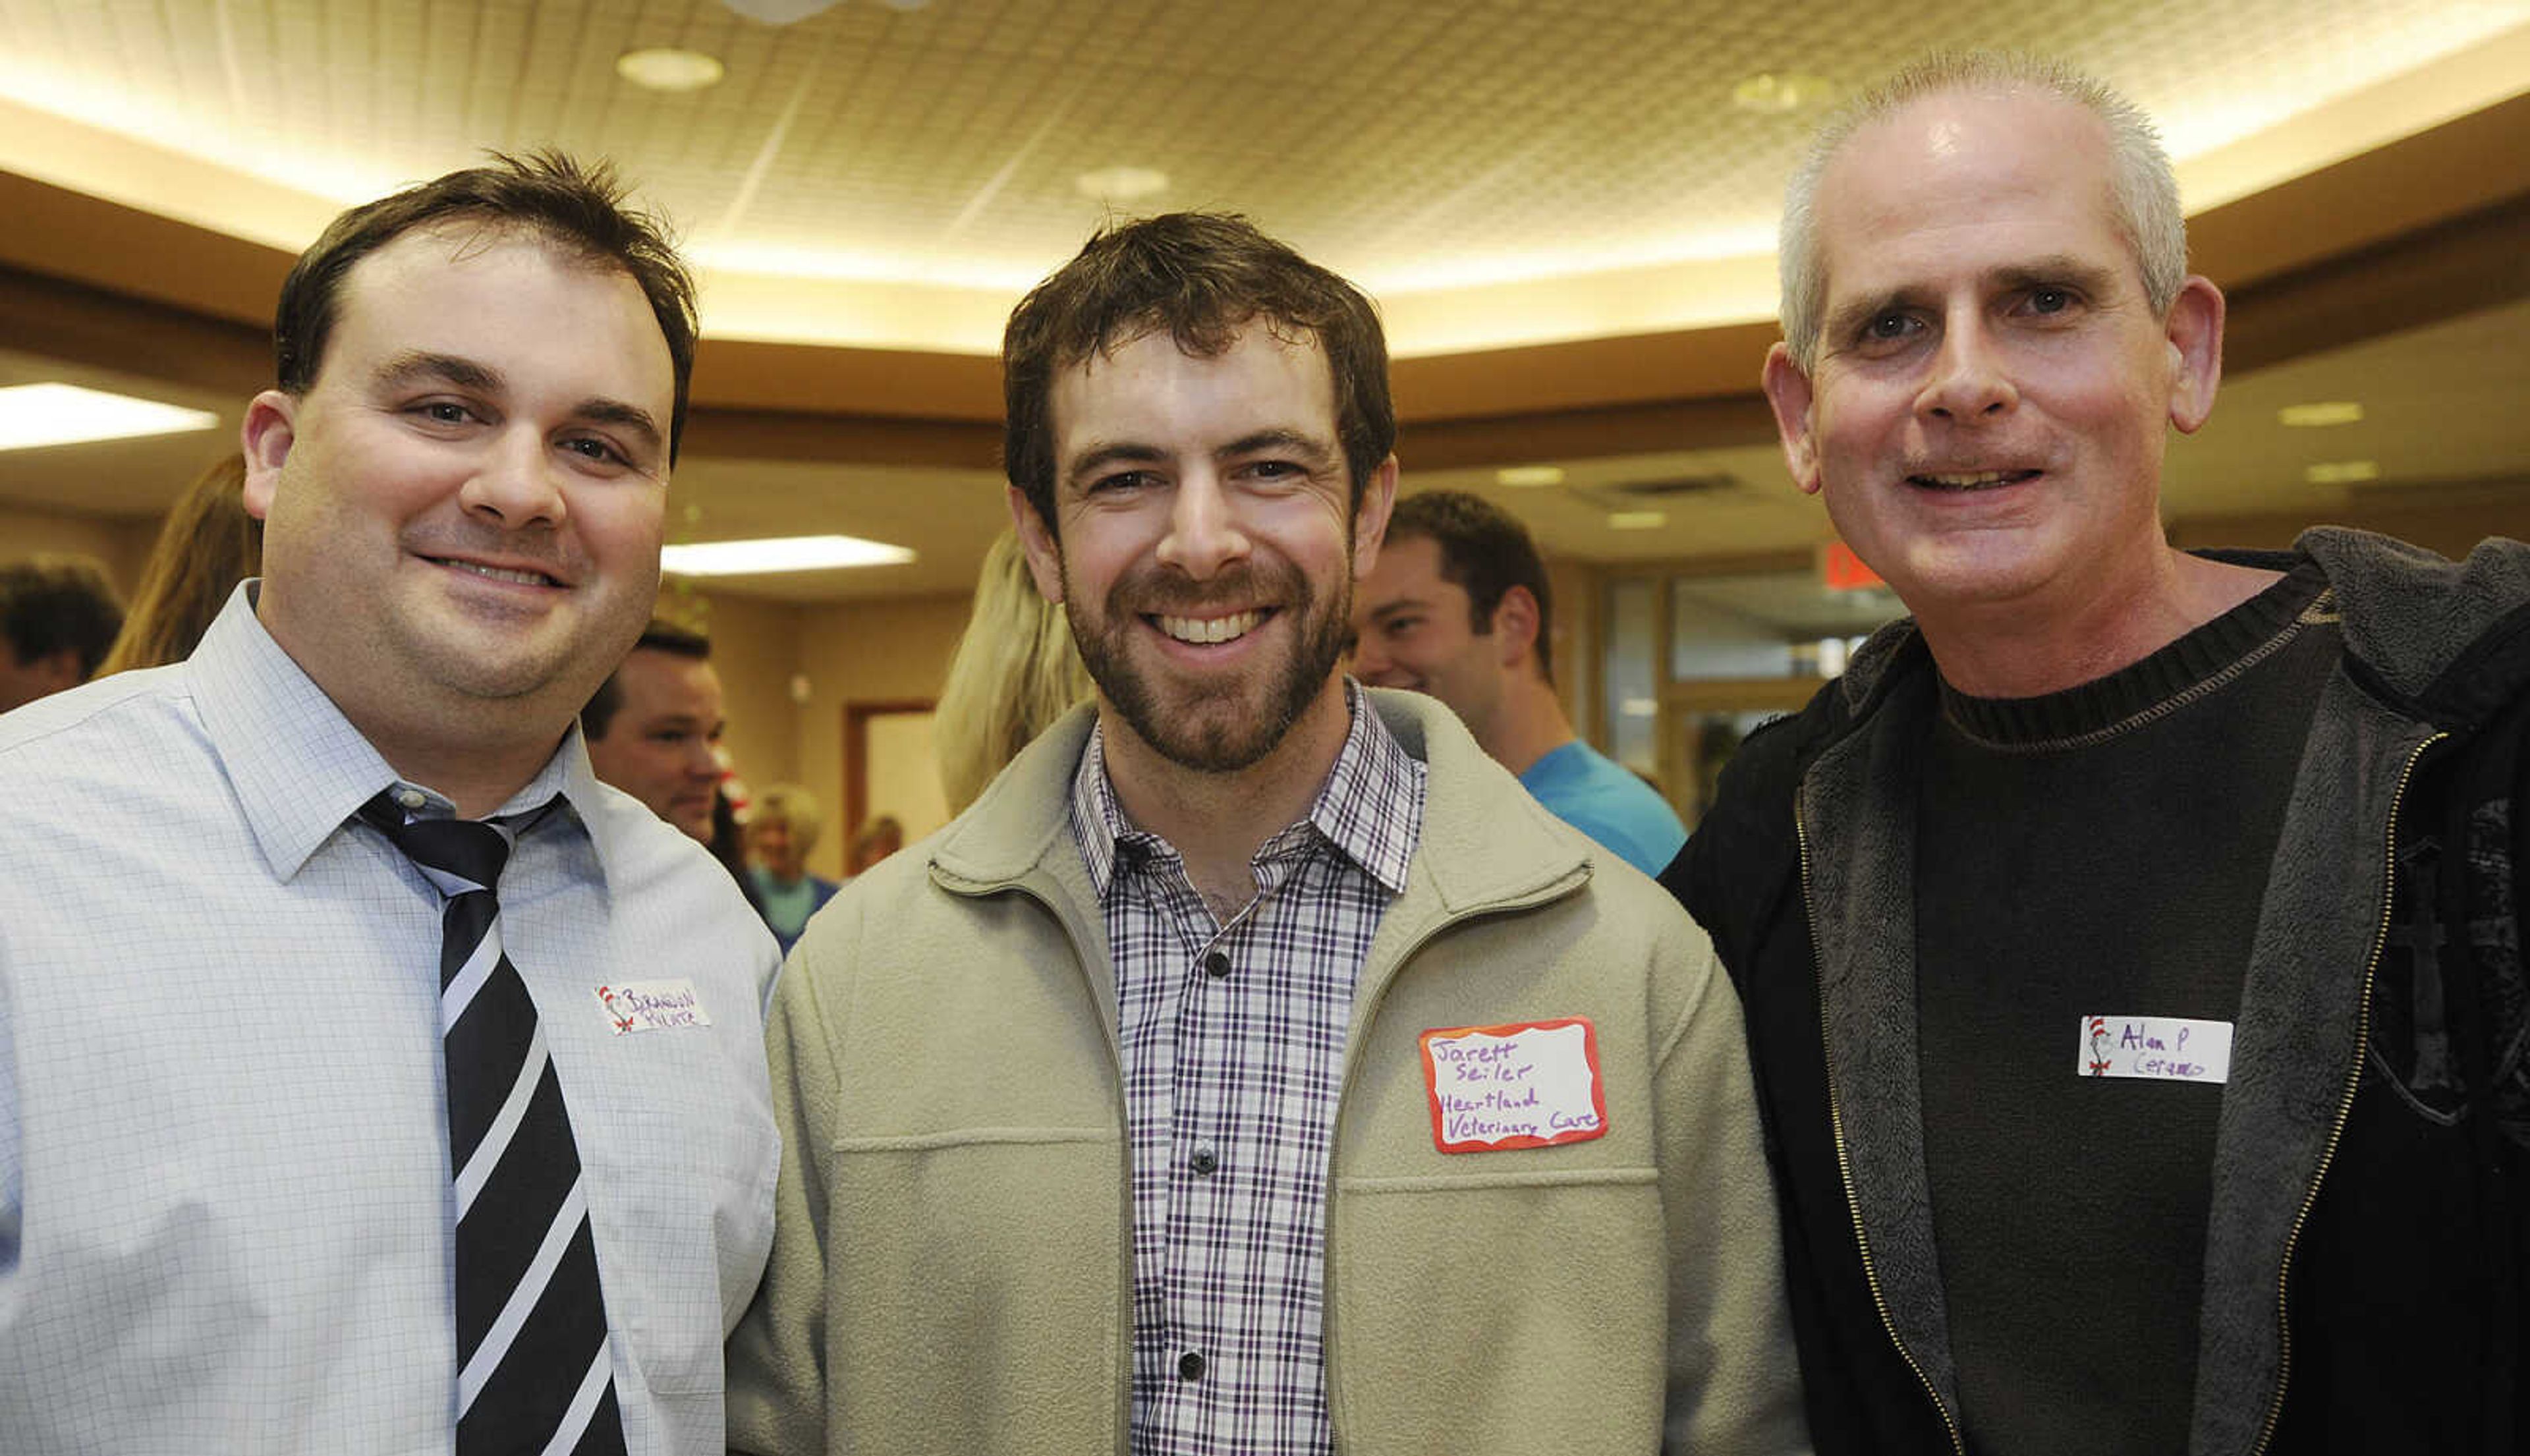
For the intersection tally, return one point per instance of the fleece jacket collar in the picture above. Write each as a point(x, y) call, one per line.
point(1486, 845)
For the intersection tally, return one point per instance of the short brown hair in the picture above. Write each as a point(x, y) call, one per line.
point(661, 635)
point(576, 205)
point(1484, 550)
point(1202, 277)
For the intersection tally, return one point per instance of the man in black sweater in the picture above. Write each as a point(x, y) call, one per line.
point(2129, 941)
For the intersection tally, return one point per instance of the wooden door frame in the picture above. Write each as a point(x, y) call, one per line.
point(857, 716)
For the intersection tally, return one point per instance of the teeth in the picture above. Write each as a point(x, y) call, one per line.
point(1979, 481)
point(497, 574)
point(1203, 632)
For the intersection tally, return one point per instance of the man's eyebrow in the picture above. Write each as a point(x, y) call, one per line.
point(599, 410)
point(414, 366)
point(1293, 441)
point(1104, 453)
point(2060, 271)
point(1388, 609)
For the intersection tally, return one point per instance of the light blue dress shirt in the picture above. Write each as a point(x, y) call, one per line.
point(1600, 797)
point(225, 1209)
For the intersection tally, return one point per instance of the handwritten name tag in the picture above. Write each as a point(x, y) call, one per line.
point(2166, 1049)
point(652, 1005)
point(1532, 1084)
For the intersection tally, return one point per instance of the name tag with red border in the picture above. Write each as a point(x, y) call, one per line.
point(1527, 1084)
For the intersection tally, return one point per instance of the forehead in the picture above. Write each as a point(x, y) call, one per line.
point(1964, 178)
point(468, 290)
point(1149, 392)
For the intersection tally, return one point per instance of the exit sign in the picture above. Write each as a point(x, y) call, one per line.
point(1840, 570)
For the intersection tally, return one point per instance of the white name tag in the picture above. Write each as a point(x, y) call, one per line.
point(652, 1005)
point(2166, 1049)
point(1532, 1084)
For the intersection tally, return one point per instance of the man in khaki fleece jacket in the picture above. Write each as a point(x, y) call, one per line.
point(1256, 1067)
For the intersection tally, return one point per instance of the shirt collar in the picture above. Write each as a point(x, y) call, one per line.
point(1364, 809)
point(300, 769)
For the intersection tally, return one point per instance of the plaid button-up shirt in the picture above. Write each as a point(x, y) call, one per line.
point(1232, 1039)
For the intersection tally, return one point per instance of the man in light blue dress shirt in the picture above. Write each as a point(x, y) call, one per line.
point(225, 1190)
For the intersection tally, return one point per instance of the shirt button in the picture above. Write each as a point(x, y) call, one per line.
point(1216, 965)
point(1190, 1365)
point(412, 799)
point(1203, 1162)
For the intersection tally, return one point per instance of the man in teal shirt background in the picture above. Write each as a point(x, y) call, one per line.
point(1459, 606)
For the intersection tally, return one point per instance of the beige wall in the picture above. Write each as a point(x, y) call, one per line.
point(755, 651)
point(864, 652)
point(122, 545)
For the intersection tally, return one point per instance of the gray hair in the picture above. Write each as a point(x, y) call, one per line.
point(2140, 180)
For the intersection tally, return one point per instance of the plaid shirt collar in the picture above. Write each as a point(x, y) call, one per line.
point(1356, 810)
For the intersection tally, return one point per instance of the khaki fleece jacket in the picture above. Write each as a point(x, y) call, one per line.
point(952, 1264)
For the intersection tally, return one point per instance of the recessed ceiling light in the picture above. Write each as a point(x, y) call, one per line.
point(2342, 472)
point(779, 554)
point(667, 69)
point(1775, 92)
point(1529, 475)
point(33, 415)
point(1121, 184)
point(2324, 412)
point(1637, 520)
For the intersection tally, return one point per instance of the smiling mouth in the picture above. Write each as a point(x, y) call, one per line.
point(1972, 480)
point(1208, 631)
point(496, 574)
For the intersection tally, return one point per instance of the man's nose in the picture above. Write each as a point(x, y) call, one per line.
point(1970, 379)
point(1204, 532)
point(514, 481)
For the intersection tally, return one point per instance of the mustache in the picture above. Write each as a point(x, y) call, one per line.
point(1167, 591)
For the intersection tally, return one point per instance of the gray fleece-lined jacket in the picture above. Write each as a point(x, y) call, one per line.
point(2364, 1256)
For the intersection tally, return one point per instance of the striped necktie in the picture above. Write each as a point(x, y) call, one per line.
point(534, 1375)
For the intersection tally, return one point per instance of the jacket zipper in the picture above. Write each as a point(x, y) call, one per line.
point(1843, 1161)
point(1334, 1134)
point(2344, 1101)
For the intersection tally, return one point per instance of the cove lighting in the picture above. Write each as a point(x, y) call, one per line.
point(38, 414)
point(1529, 475)
point(2321, 414)
point(1637, 520)
point(2342, 472)
point(668, 69)
point(780, 554)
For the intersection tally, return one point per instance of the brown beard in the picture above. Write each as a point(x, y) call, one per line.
point(1221, 743)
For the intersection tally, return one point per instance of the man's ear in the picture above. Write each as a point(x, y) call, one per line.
point(1044, 557)
point(1787, 390)
point(271, 427)
point(1370, 521)
point(2195, 333)
point(58, 671)
point(1515, 626)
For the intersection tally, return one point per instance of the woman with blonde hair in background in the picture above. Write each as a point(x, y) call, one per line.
point(208, 545)
point(782, 826)
point(1016, 671)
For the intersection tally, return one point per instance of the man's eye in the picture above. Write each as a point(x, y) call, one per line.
point(2049, 300)
point(595, 450)
point(1121, 480)
point(444, 412)
point(1887, 326)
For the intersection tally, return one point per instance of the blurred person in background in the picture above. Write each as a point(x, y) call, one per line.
point(654, 727)
point(1013, 674)
point(58, 617)
point(782, 828)
point(1459, 605)
point(880, 836)
point(208, 545)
